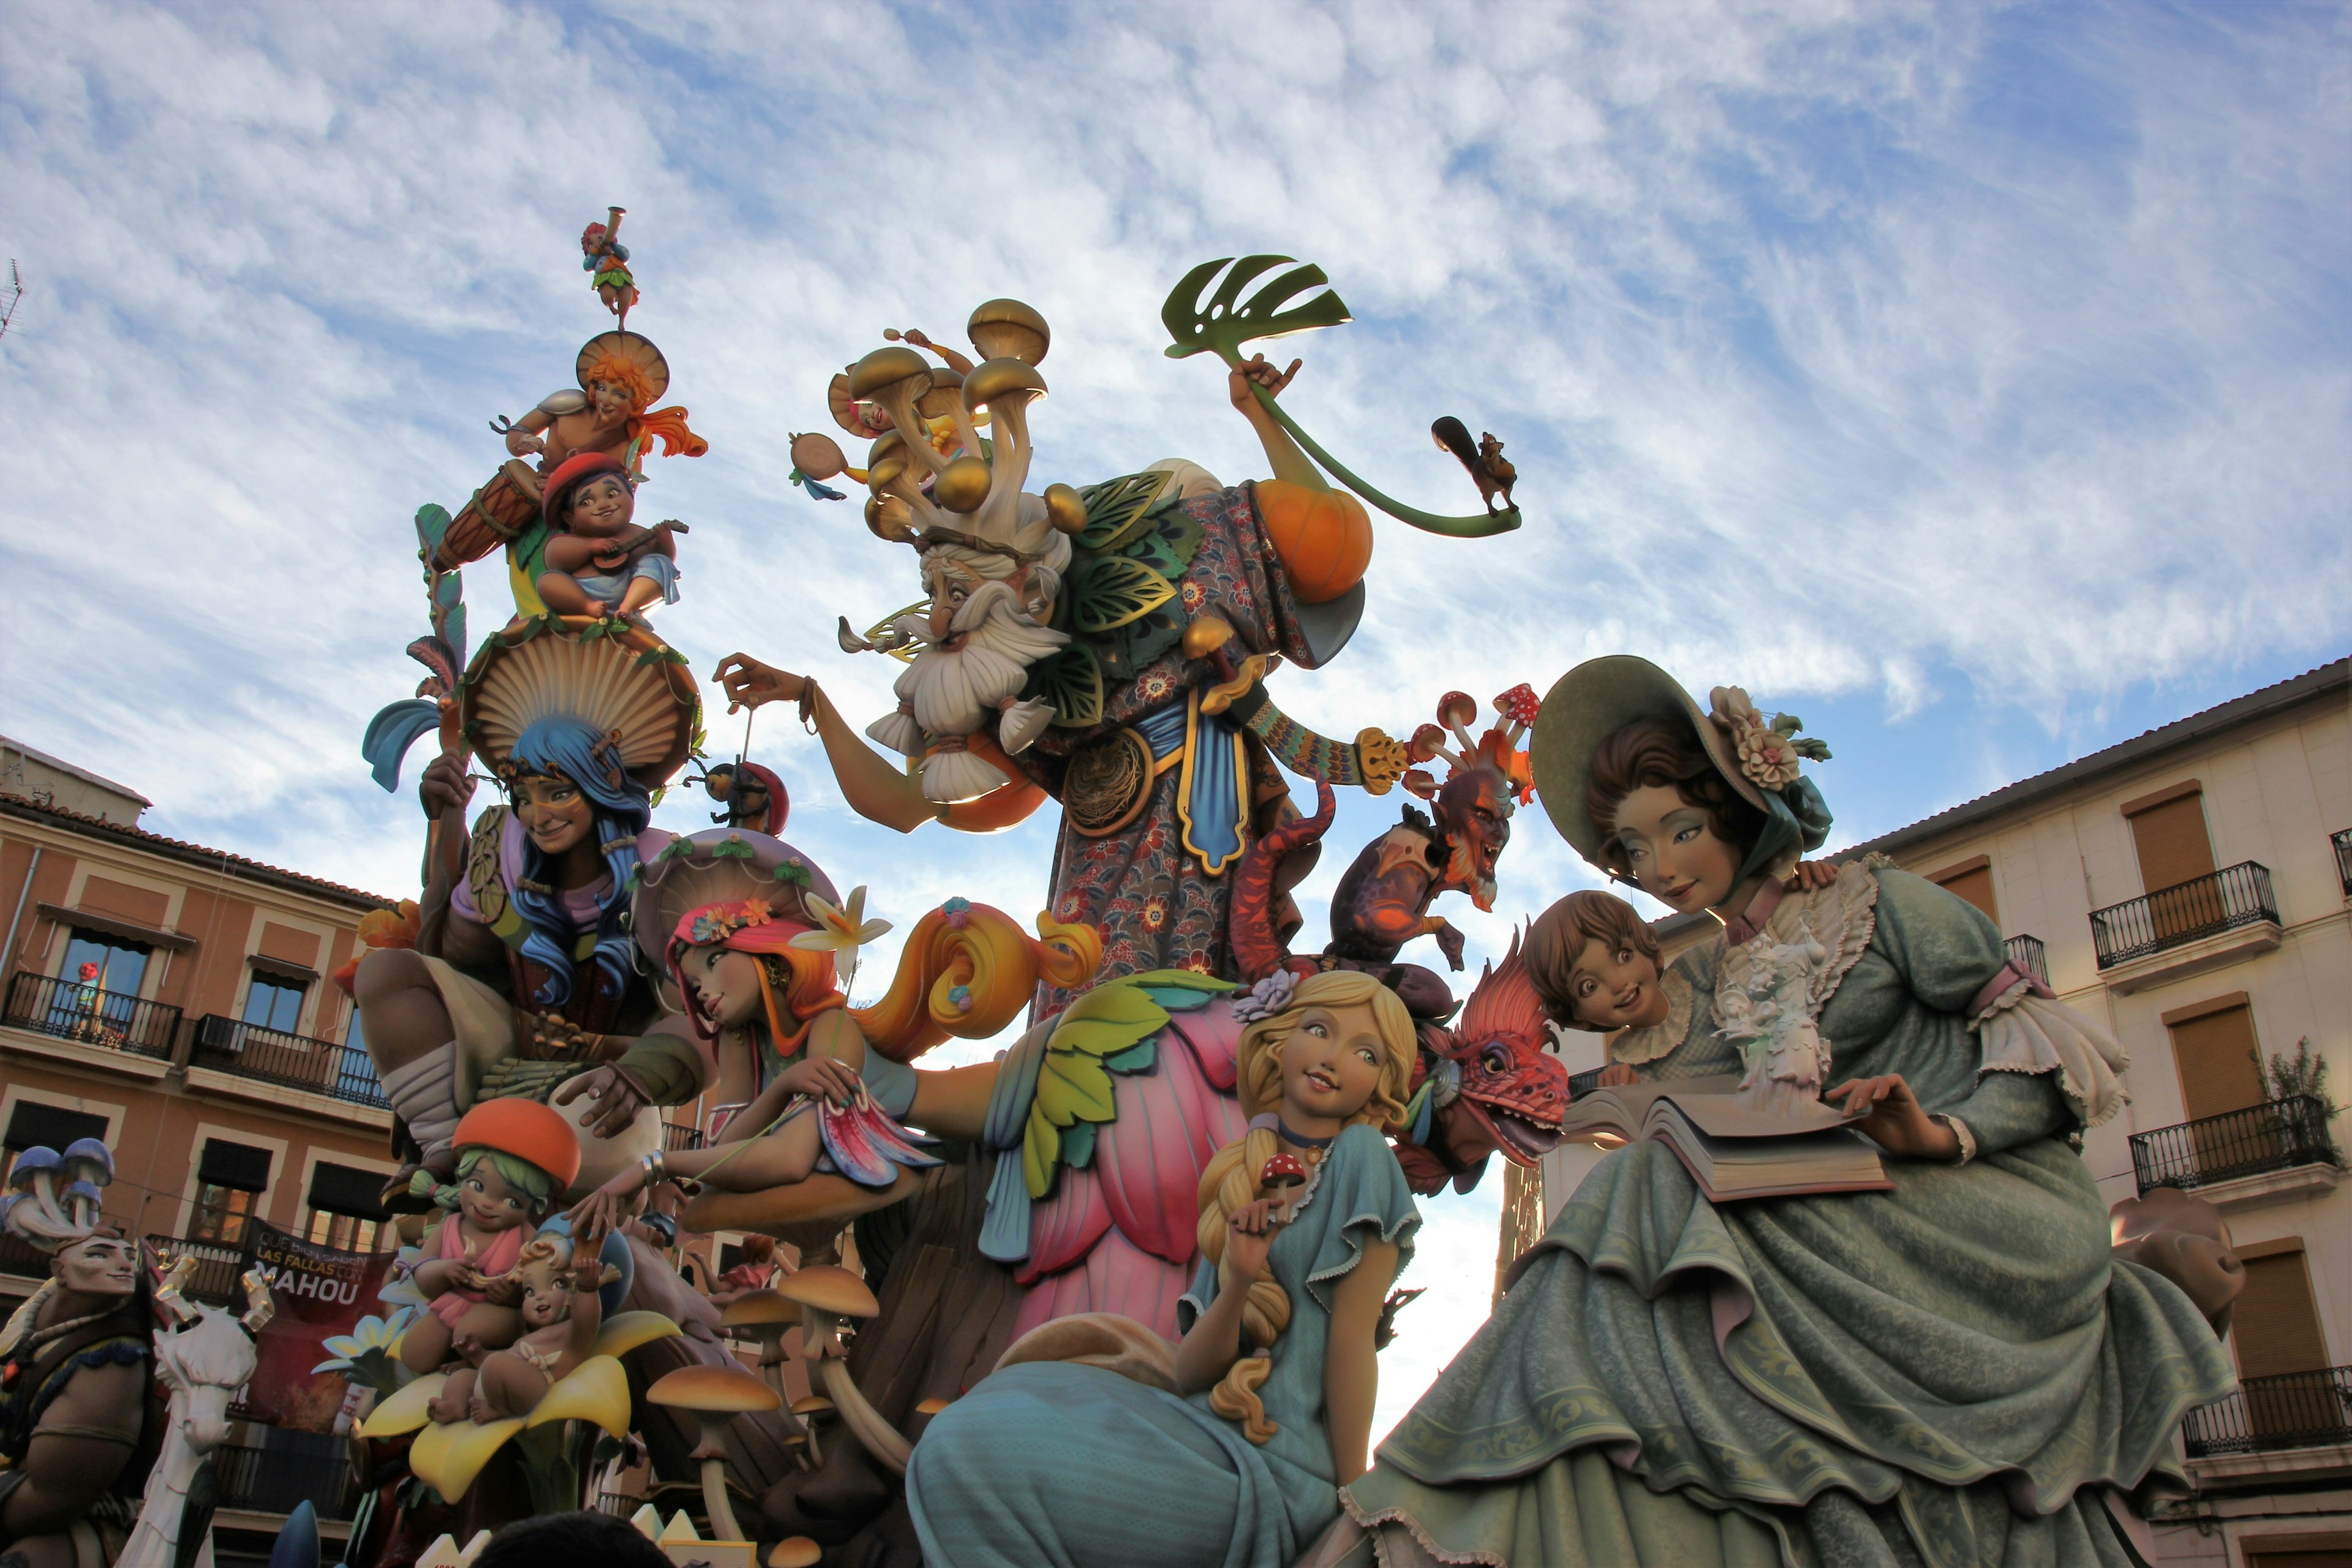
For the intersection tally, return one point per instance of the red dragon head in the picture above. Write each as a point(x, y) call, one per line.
point(1492, 1084)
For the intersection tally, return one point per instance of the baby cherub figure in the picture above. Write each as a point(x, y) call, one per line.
point(1597, 966)
point(514, 1158)
point(597, 561)
point(561, 1315)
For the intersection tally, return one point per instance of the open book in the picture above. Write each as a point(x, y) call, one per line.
point(1732, 1151)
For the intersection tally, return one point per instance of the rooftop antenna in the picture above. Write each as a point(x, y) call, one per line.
point(10, 295)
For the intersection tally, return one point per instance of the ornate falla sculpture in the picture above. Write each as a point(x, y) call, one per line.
point(1107, 646)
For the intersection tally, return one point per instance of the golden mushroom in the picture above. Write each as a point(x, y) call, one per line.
point(767, 1315)
point(795, 1552)
point(1000, 381)
point(1065, 508)
point(962, 485)
point(715, 1394)
point(805, 1410)
point(1008, 329)
point(894, 377)
point(829, 1295)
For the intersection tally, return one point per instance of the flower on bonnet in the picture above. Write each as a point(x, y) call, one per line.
point(841, 931)
point(1268, 998)
point(719, 921)
point(1769, 751)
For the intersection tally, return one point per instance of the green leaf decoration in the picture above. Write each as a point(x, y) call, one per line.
point(654, 656)
point(1135, 1059)
point(1079, 1146)
point(791, 871)
point(1152, 635)
point(1222, 323)
point(734, 848)
point(432, 522)
point(1073, 1082)
point(1810, 750)
point(1115, 507)
point(1786, 724)
point(1169, 546)
point(1110, 591)
point(1071, 681)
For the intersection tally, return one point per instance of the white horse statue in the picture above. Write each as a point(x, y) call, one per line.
point(202, 1362)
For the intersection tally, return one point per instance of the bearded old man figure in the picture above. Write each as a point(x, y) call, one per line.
point(1103, 647)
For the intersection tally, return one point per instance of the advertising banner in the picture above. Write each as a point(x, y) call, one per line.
point(319, 1292)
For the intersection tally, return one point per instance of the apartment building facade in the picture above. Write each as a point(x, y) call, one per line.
point(2193, 890)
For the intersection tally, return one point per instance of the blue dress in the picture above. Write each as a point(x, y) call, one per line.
point(1059, 1465)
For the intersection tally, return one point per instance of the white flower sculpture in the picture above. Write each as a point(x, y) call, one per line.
point(1769, 751)
point(841, 931)
point(369, 1353)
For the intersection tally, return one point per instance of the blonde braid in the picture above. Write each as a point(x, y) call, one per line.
point(1229, 1182)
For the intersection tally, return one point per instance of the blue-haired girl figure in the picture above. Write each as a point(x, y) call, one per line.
point(522, 980)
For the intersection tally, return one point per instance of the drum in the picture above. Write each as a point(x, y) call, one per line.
point(501, 513)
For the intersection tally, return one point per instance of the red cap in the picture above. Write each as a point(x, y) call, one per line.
point(1282, 1171)
point(556, 492)
point(529, 1131)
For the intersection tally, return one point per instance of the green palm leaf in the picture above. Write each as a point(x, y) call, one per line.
point(1110, 591)
point(1222, 322)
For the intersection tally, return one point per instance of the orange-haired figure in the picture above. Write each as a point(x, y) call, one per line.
point(607, 261)
point(833, 1086)
point(621, 376)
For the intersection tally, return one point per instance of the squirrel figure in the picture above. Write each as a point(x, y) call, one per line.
point(1489, 470)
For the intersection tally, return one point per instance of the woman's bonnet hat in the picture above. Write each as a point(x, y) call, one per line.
point(717, 866)
point(1755, 755)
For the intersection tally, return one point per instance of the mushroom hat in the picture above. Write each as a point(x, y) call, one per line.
point(620, 680)
point(718, 866)
point(527, 1130)
point(634, 349)
point(1601, 696)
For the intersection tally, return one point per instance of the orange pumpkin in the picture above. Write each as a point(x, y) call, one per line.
point(1323, 538)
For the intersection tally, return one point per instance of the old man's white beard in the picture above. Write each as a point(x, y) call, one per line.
point(953, 692)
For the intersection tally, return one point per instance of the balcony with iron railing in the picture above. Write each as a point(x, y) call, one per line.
point(2028, 954)
point(2234, 897)
point(2276, 1136)
point(2343, 843)
point(273, 1055)
point(2293, 1410)
point(69, 1010)
point(218, 1279)
point(265, 1480)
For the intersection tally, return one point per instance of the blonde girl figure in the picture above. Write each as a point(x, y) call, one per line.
point(1232, 1449)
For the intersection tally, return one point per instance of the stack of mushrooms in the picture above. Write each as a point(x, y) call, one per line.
point(829, 1297)
point(715, 1394)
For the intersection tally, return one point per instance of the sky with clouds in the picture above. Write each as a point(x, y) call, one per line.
point(1970, 379)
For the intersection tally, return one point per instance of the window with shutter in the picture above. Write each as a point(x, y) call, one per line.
point(2213, 1050)
point(1973, 880)
point(2275, 1326)
point(51, 1126)
point(2169, 831)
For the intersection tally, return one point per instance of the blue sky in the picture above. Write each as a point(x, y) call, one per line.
point(1971, 379)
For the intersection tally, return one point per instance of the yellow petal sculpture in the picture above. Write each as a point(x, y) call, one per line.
point(469, 1452)
point(598, 1390)
point(431, 1448)
point(404, 1411)
point(624, 1331)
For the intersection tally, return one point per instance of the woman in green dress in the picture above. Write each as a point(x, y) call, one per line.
point(1090, 1447)
point(1949, 1371)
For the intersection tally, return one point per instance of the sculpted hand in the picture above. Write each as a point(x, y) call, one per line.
point(1257, 373)
point(616, 1095)
point(1449, 942)
point(504, 1290)
point(444, 788)
point(1897, 1121)
point(1251, 1236)
point(521, 443)
point(826, 1077)
point(1618, 1074)
point(1810, 876)
point(749, 683)
point(604, 1208)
